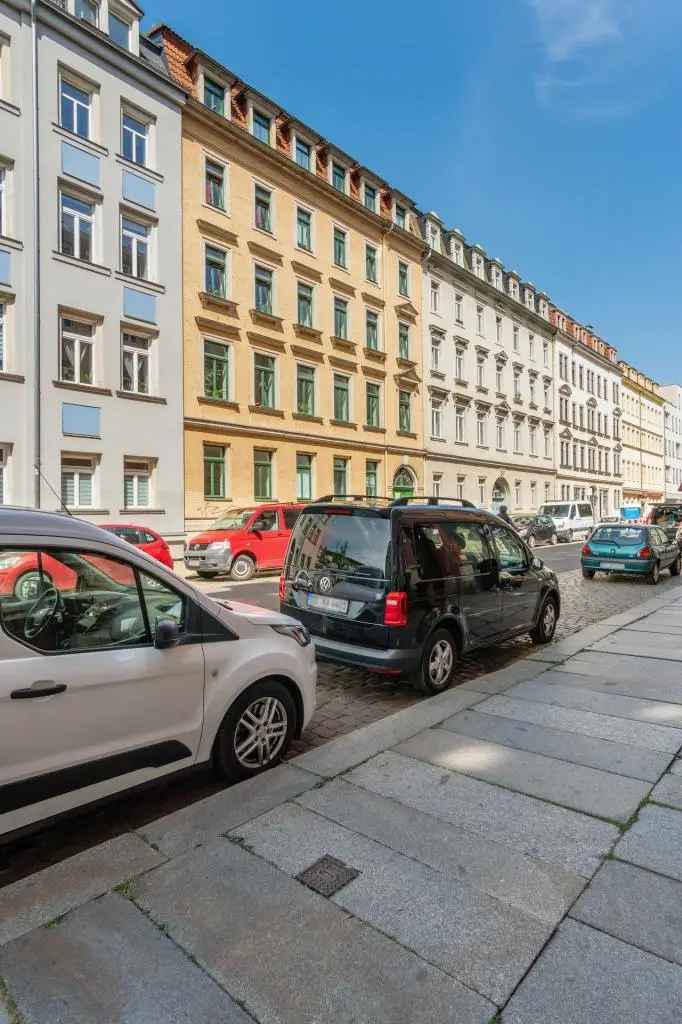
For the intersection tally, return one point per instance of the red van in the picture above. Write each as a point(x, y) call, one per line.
point(243, 541)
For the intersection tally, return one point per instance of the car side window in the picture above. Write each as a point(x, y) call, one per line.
point(290, 517)
point(147, 538)
point(510, 552)
point(62, 602)
point(586, 511)
point(128, 533)
point(265, 522)
point(161, 602)
point(470, 542)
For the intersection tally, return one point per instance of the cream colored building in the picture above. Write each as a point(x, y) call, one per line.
point(643, 448)
point(302, 305)
point(489, 375)
point(672, 440)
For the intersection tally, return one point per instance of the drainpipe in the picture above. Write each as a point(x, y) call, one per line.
point(36, 262)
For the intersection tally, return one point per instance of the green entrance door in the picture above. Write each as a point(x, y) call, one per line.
point(403, 484)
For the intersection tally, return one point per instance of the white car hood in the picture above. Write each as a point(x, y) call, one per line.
point(256, 615)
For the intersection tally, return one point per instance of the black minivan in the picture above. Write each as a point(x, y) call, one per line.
point(403, 587)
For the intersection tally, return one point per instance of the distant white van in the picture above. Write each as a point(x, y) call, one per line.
point(573, 519)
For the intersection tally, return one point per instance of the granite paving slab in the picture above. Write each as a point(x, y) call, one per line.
point(528, 883)
point(669, 791)
point(637, 906)
point(483, 942)
point(106, 963)
point(555, 742)
point(503, 678)
point(571, 785)
point(676, 767)
point(654, 841)
point(558, 835)
point(671, 625)
point(293, 957)
point(636, 677)
point(629, 641)
point(587, 977)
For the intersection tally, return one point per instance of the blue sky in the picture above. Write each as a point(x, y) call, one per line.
point(546, 130)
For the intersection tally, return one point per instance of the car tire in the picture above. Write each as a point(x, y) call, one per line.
point(531, 541)
point(570, 537)
point(206, 575)
point(588, 574)
point(243, 568)
point(655, 575)
point(554, 539)
point(267, 701)
point(544, 632)
point(26, 581)
point(439, 658)
point(676, 567)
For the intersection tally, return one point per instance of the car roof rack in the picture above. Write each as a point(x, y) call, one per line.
point(328, 499)
point(433, 499)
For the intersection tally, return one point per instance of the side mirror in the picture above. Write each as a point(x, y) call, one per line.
point(167, 634)
point(538, 563)
point(257, 526)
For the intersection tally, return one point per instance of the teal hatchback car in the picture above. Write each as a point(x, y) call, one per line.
point(630, 550)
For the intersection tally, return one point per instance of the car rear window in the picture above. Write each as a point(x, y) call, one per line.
point(621, 535)
point(667, 516)
point(355, 545)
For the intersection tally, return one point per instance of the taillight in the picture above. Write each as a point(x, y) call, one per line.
point(645, 552)
point(282, 587)
point(395, 609)
point(587, 550)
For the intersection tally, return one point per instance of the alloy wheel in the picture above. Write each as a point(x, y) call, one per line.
point(260, 732)
point(549, 619)
point(441, 661)
point(242, 568)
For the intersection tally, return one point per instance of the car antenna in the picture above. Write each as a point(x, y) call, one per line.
point(57, 496)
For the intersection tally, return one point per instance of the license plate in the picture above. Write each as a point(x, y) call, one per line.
point(327, 604)
point(613, 565)
point(193, 561)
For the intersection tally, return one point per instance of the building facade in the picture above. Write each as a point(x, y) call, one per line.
point(489, 374)
point(90, 265)
point(589, 413)
point(672, 440)
point(643, 447)
point(302, 297)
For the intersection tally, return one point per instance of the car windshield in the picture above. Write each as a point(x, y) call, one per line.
point(556, 511)
point(355, 545)
point(233, 519)
point(669, 516)
point(623, 536)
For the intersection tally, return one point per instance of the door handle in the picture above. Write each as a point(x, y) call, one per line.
point(509, 582)
point(47, 688)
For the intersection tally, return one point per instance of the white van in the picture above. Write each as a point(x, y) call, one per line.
point(573, 519)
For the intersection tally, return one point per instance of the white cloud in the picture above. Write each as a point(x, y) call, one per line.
point(570, 26)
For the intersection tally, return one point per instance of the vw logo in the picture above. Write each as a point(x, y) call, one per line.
point(325, 584)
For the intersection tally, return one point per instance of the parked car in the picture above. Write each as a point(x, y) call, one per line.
point(405, 588)
point(145, 538)
point(536, 529)
point(668, 517)
point(114, 672)
point(633, 550)
point(243, 541)
point(573, 519)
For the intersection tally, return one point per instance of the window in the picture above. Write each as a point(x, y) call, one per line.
point(498, 329)
point(86, 10)
point(2, 336)
point(532, 438)
point(261, 126)
point(340, 318)
point(459, 423)
point(531, 388)
point(263, 202)
point(305, 304)
point(436, 419)
point(545, 354)
point(371, 264)
point(304, 229)
point(403, 278)
point(214, 96)
point(435, 352)
point(480, 429)
point(531, 347)
point(119, 30)
point(499, 378)
point(263, 290)
point(404, 412)
point(480, 371)
point(517, 385)
point(548, 444)
point(136, 490)
point(262, 475)
point(480, 326)
point(371, 198)
point(339, 177)
point(304, 477)
point(517, 493)
point(264, 381)
point(134, 247)
point(545, 395)
point(459, 363)
point(517, 437)
point(340, 476)
point(372, 330)
point(435, 486)
point(510, 552)
point(302, 153)
point(214, 471)
point(77, 481)
point(373, 398)
point(340, 247)
point(515, 340)
point(77, 220)
point(500, 434)
point(400, 216)
point(403, 341)
point(3, 201)
point(76, 352)
point(481, 490)
point(134, 140)
point(74, 106)
point(459, 309)
point(371, 479)
point(341, 398)
point(135, 364)
point(216, 370)
point(435, 297)
point(305, 390)
point(215, 184)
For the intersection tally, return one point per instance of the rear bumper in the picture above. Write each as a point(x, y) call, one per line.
point(633, 567)
point(392, 662)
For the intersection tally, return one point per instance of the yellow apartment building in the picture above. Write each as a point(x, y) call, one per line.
point(302, 307)
point(643, 439)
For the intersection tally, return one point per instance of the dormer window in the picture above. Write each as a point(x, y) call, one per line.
point(457, 253)
point(261, 126)
point(400, 216)
point(302, 153)
point(434, 237)
point(119, 30)
point(339, 177)
point(214, 96)
point(370, 198)
point(86, 10)
point(478, 265)
point(529, 299)
point(496, 276)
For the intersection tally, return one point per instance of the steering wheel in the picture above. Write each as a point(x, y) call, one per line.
point(42, 612)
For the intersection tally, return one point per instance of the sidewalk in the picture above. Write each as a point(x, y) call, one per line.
point(508, 850)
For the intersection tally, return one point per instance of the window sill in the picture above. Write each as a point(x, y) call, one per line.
point(16, 378)
point(141, 168)
point(141, 511)
point(373, 430)
point(218, 302)
point(310, 333)
point(462, 444)
point(72, 385)
point(73, 261)
point(405, 364)
point(80, 511)
point(10, 108)
point(266, 319)
point(406, 433)
point(306, 417)
point(500, 394)
point(216, 209)
point(262, 410)
point(222, 403)
point(438, 374)
point(375, 353)
point(140, 282)
point(483, 447)
point(11, 243)
point(343, 423)
point(519, 401)
point(343, 343)
point(136, 397)
point(440, 440)
point(92, 147)
point(461, 383)
point(481, 389)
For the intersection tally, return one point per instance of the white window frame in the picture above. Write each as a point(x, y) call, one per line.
point(79, 466)
point(66, 78)
point(140, 354)
point(256, 109)
point(480, 429)
point(137, 241)
point(516, 340)
point(435, 297)
point(88, 218)
point(296, 138)
point(137, 469)
point(4, 481)
point(377, 384)
point(406, 293)
point(79, 342)
point(345, 300)
point(436, 419)
point(264, 187)
point(210, 158)
point(459, 308)
point(146, 122)
point(459, 362)
point(206, 245)
point(436, 348)
point(460, 412)
point(119, 15)
point(3, 336)
point(499, 433)
point(480, 321)
point(4, 175)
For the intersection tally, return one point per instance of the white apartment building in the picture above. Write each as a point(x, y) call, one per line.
point(589, 396)
point(672, 440)
point(643, 448)
point(489, 378)
point(90, 265)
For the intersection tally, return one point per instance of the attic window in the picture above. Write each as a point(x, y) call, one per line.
point(214, 96)
point(400, 215)
point(119, 30)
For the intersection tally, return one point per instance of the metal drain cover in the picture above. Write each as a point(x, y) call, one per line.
point(327, 875)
